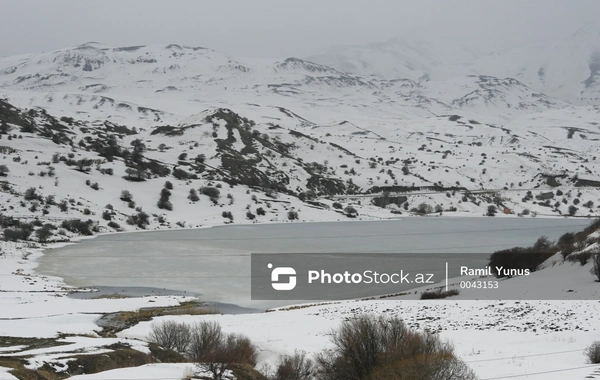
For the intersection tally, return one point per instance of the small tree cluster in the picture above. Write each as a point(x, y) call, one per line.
point(141, 219)
point(31, 194)
point(212, 192)
point(20, 231)
point(350, 211)
point(163, 202)
point(78, 226)
point(193, 195)
point(4, 170)
point(45, 232)
point(126, 196)
point(228, 215)
point(521, 258)
point(423, 208)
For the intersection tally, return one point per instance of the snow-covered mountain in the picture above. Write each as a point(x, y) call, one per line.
point(396, 58)
point(290, 126)
point(567, 68)
point(153, 84)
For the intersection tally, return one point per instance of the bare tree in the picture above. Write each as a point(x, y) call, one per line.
point(215, 352)
point(294, 367)
point(593, 353)
point(205, 339)
point(171, 335)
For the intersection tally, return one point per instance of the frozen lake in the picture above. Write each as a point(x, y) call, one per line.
point(215, 262)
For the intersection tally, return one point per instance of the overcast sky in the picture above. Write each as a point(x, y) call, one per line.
point(280, 28)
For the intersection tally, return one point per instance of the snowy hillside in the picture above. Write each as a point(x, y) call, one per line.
point(568, 69)
point(149, 114)
point(163, 84)
point(411, 58)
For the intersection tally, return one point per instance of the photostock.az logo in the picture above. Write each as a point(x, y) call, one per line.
point(282, 271)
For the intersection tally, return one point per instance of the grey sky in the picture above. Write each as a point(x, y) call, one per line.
point(280, 28)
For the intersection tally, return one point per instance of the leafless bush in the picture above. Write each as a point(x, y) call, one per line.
point(437, 366)
point(205, 338)
point(423, 208)
point(581, 257)
point(294, 367)
point(369, 348)
point(215, 352)
point(593, 353)
point(171, 335)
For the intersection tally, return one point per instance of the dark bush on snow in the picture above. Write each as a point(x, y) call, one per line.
point(384, 348)
point(141, 219)
point(114, 225)
point(163, 202)
point(20, 232)
point(31, 194)
point(171, 335)
point(78, 226)
point(593, 353)
point(439, 294)
point(193, 196)
point(210, 191)
point(521, 258)
point(126, 196)
point(294, 367)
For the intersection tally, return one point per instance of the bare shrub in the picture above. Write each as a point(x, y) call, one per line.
point(193, 196)
point(435, 366)
point(126, 196)
point(294, 367)
point(215, 352)
point(581, 257)
point(206, 337)
point(171, 335)
point(369, 348)
point(424, 208)
point(593, 353)
point(45, 232)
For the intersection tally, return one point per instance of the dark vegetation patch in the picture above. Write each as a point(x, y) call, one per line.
point(518, 259)
point(114, 322)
